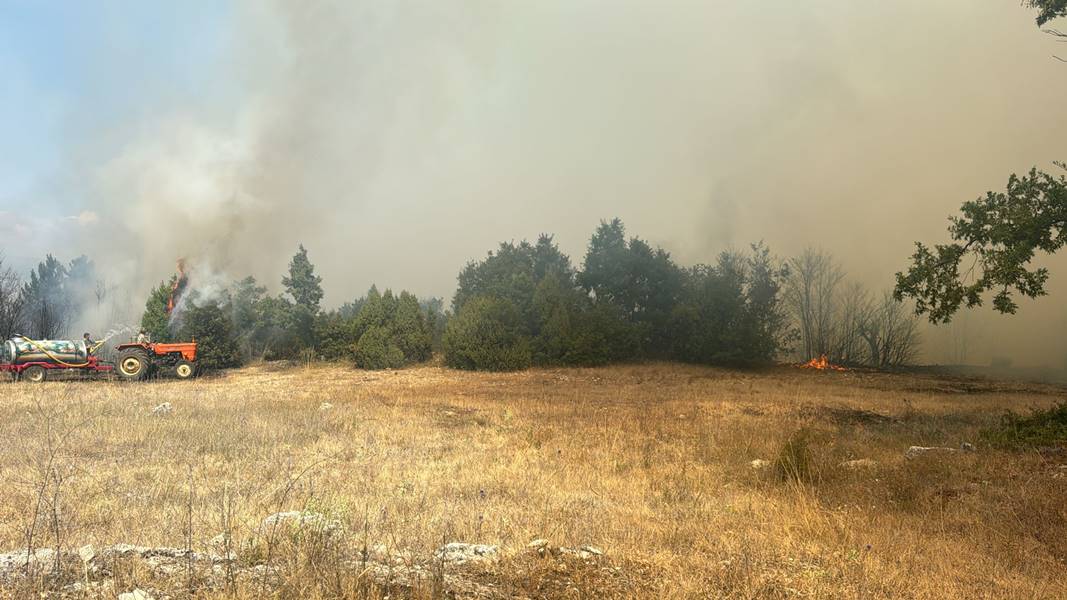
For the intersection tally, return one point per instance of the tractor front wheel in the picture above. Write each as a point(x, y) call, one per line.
point(133, 364)
point(35, 374)
point(185, 369)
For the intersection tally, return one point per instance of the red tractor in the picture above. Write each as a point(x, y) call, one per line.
point(137, 360)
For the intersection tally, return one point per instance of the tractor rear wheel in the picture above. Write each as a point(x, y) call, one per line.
point(35, 374)
point(185, 369)
point(133, 364)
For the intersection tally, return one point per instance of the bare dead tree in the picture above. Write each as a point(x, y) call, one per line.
point(10, 302)
point(1061, 37)
point(891, 333)
point(961, 334)
point(811, 297)
point(842, 320)
point(855, 304)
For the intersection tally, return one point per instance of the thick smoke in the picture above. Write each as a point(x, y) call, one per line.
point(399, 140)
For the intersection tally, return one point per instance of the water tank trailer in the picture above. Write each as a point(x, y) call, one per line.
point(33, 360)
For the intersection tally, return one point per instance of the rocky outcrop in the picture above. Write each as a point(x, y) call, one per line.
point(461, 569)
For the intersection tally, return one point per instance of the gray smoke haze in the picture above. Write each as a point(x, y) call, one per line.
point(399, 140)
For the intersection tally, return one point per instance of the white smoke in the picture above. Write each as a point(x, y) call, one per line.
point(204, 285)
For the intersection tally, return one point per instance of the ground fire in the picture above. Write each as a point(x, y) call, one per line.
point(822, 363)
point(178, 287)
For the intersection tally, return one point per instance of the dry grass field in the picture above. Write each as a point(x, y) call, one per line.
point(651, 464)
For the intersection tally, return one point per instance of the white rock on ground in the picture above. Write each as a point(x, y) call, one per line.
point(589, 552)
point(325, 406)
point(87, 553)
point(759, 463)
point(163, 409)
point(460, 553)
point(917, 451)
point(18, 559)
point(539, 545)
point(387, 568)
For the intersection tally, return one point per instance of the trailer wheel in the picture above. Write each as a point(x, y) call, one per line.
point(35, 374)
point(133, 364)
point(185, 369)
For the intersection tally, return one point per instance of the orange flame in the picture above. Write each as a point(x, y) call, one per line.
point(177, 287)
point(823, 364)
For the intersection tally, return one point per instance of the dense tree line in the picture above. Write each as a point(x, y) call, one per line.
point(525, 304)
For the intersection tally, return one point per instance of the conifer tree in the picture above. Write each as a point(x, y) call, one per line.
point(302, 283)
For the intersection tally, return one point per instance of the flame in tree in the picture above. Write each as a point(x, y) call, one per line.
point(823, 364)
point(178, 287)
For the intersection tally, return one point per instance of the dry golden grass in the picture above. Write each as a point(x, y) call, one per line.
point(649, 463)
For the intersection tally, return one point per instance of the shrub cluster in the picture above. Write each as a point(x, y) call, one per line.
point(1046, 427)
point(385, 332)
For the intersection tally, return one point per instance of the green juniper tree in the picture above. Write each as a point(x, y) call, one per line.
point(302, 283)
point(305, 287)
point(641, 281)
point(487, 334)
point(155, 320)
point(386, 331)
point(209, 323)
point(245, 299)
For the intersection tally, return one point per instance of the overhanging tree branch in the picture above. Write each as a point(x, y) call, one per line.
point(1002, 232)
